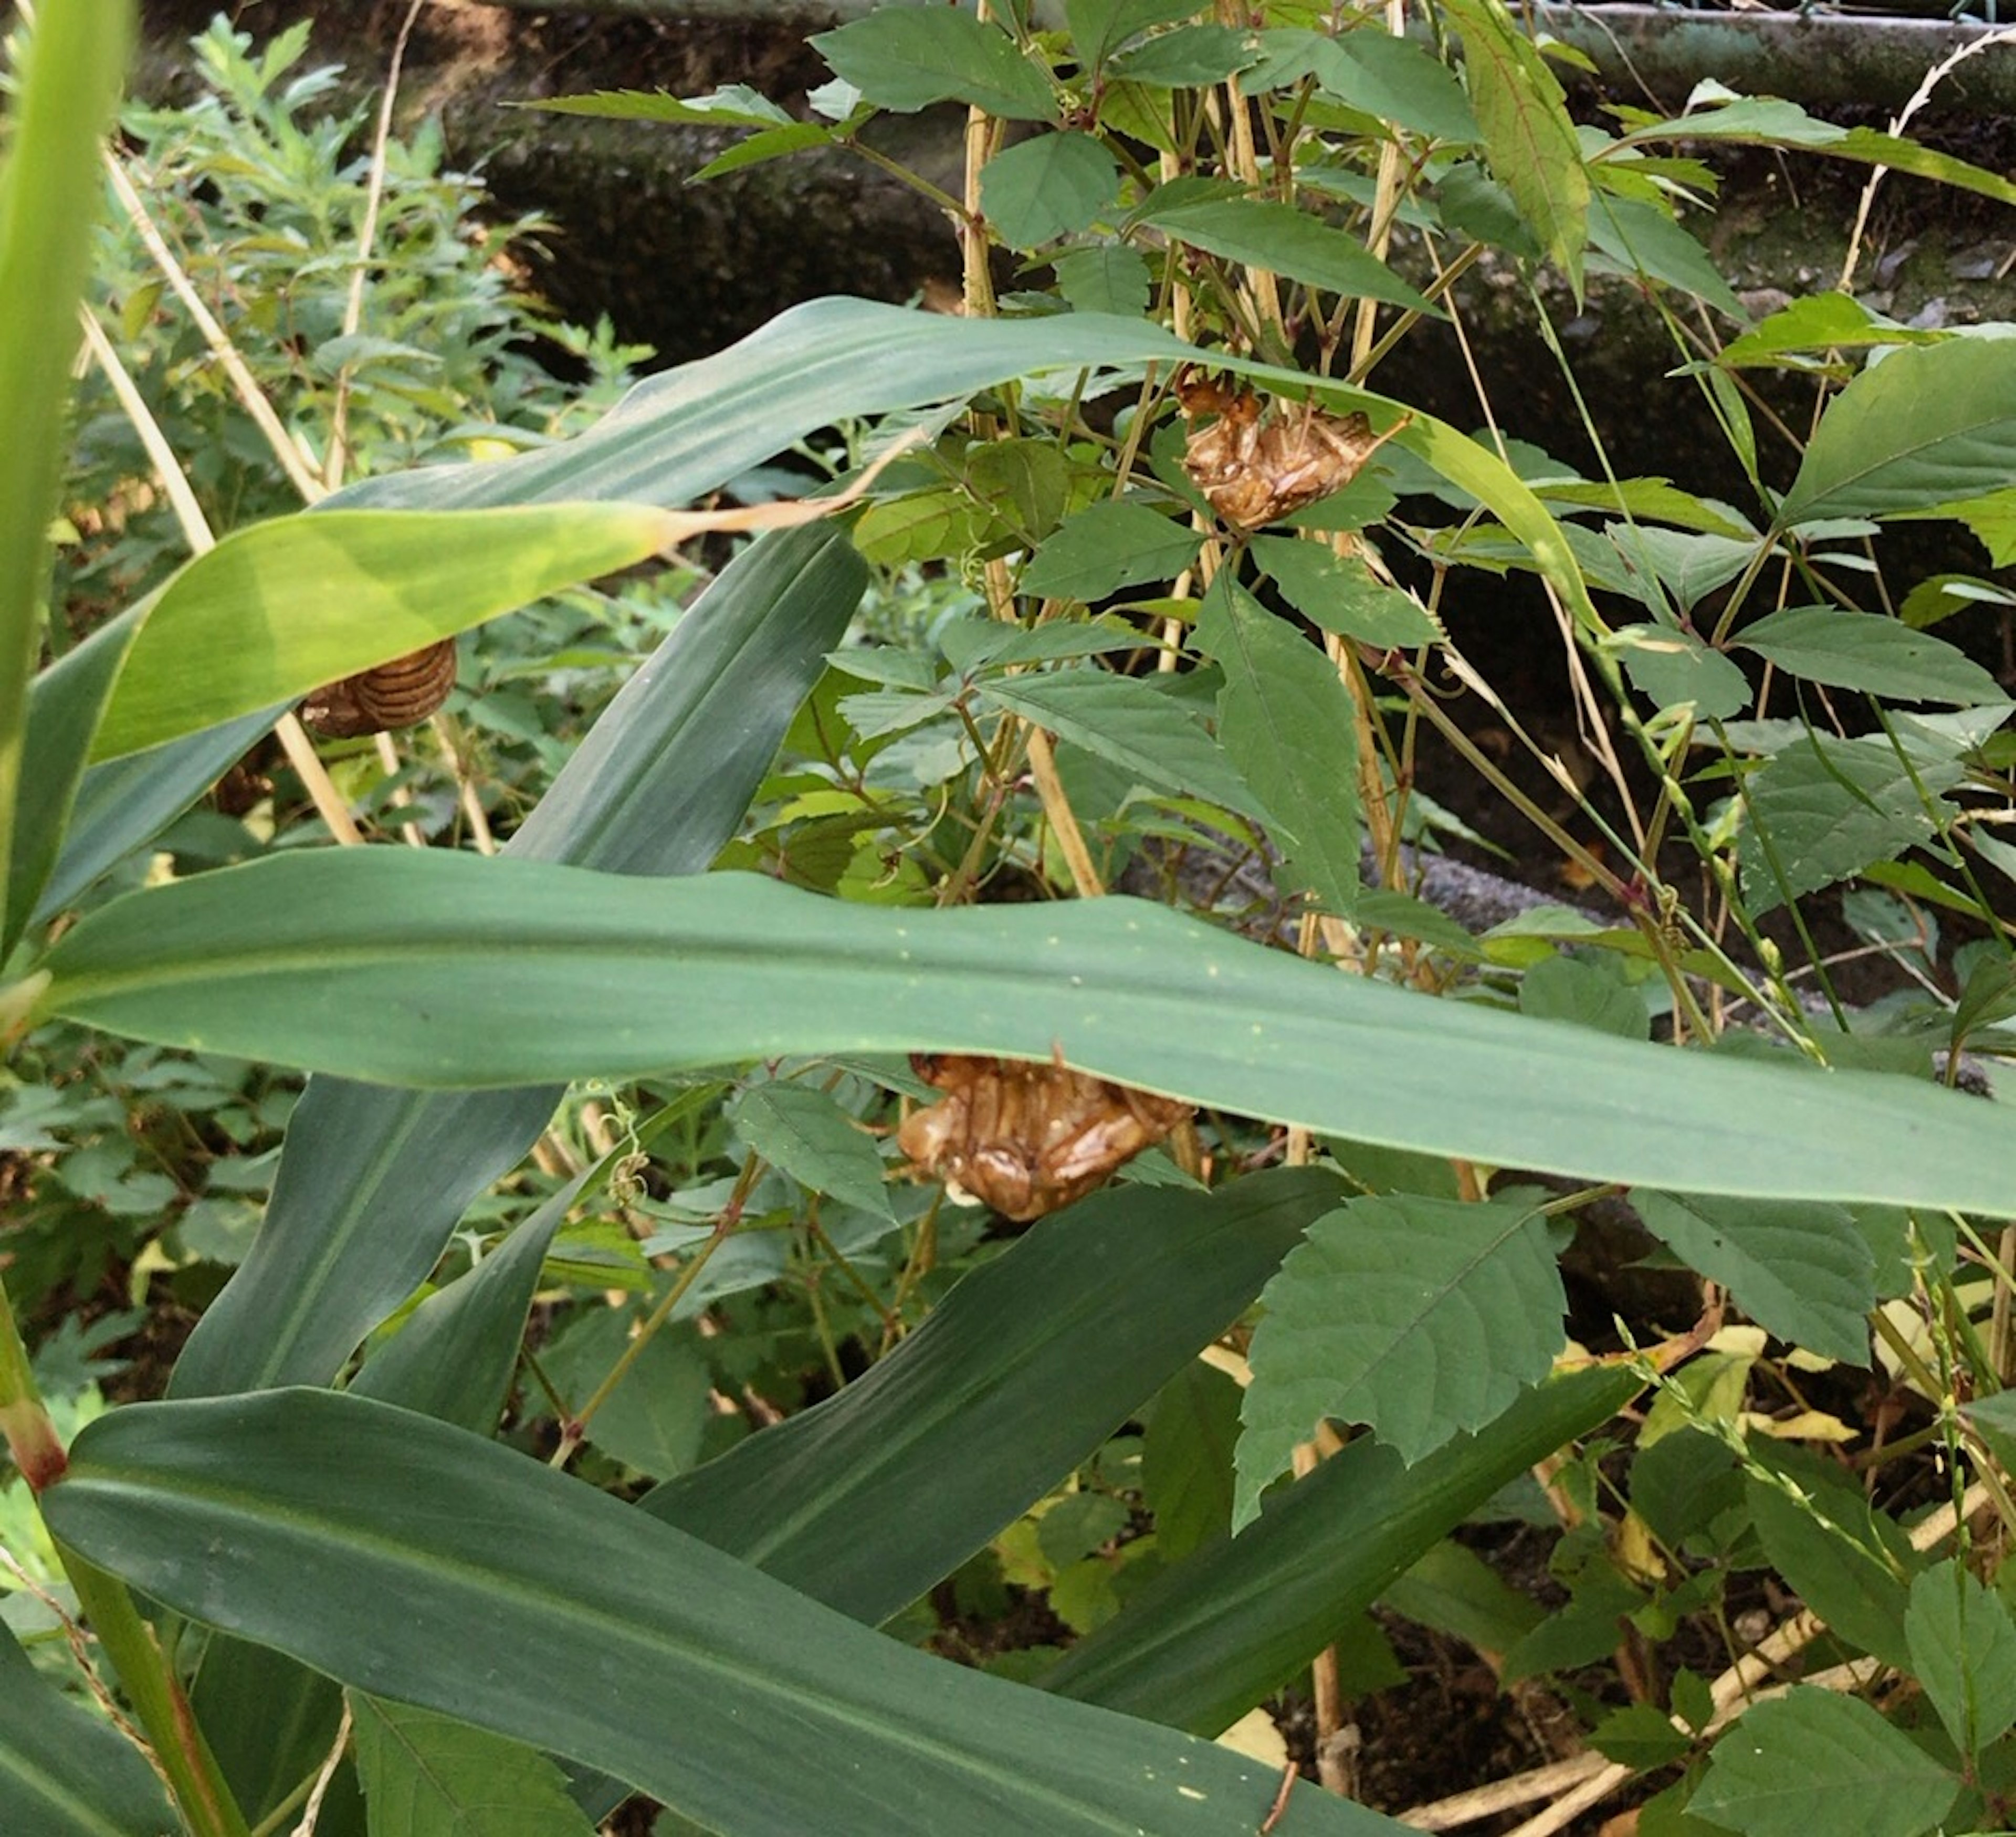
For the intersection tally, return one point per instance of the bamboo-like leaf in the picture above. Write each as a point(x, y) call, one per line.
point(1527, 136)
point(1019, 1374)
point(372, 1181)
point(601, 1630)
point(1209, 1638)
point(419, 967)
point(275, 611)
point(50, 196)
point(63, 1772)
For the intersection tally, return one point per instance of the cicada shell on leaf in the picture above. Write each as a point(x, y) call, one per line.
point(1028, 1138)
point(1254, 466)
point(400, 694)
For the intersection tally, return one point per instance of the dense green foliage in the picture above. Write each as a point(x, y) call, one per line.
point(598, 1164)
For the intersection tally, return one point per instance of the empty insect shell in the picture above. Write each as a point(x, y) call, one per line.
point(395, 694)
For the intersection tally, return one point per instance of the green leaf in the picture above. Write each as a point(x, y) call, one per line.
point(1454, 1591)
point(1108, 278)
point(1288, 725)
point(1643, 239)
point(1830, 808)
point(1187, 1472)
point(1639, 1736)
point(602, 1629)
point(1211, 1637)
point(63, 1771)
point(1818, 322)
point(372, 1181)
point(1964, 1654)
point(1849, 1562)
point(653, 1419)
point(1394, 80)
point(907, 58)
point(1993, 518)
point(454, 1356)
point(688, 431)
point(1586, 994)
point(1018, 1377)
point(51, 193)
point(1940, 596)
point(426, 1775)
point(1109, 546)
point(1674, 668)
point(1805, 1273)
point(1187, 58)
point(402, 963)
point(803, 1132)
point(1098, 27)
point(1047, 187)
point(276, 611)
point(1419, 1317)
point(1925, 427)
point(1338, 593)
point(1863, 650)
point(1528, 138)
point(1994, 1420)
point(1264, 233)
point(1130, 723)
point(737, 106)
point(1813, 1760)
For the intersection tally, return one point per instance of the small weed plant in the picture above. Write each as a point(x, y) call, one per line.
point(595, 1380)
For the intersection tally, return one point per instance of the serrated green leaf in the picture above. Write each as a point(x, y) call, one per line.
point(427, 1775)
point(1804, 1273)
point(1641, 237)
point(1925, 427)
point(1847, 650)
point(1109, 546)
point(1993, 518)
point(1418, 1317)
point(1287, 240)
point(1830, 808)
point(1393, 79)
point(1026, 484)
point(1126, 721)
point(1940, 596)
point(1994, 1419)
point(771, 143)
point(802, 1130)
point(1817, 322)
point(1850, 1562)
point(1674, 668)
point(1189, 56)
point(1048, 186)
point(1110, 278)
point(1288, 726)
point(1454, 1591)
point(1813, 1760)
point(651, 1420)
point(1964, 1654)
point(1566, 988)
point(906, 58)
point(1528, 138)
point(1338, 593)
point(1098, 27)
point(1639, 1736)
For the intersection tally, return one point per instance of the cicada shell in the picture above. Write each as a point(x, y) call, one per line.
point(397, 694)
point(1027, 1139)
point(1254, 467)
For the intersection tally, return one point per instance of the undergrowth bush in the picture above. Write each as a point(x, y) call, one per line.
point(601, 1164)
